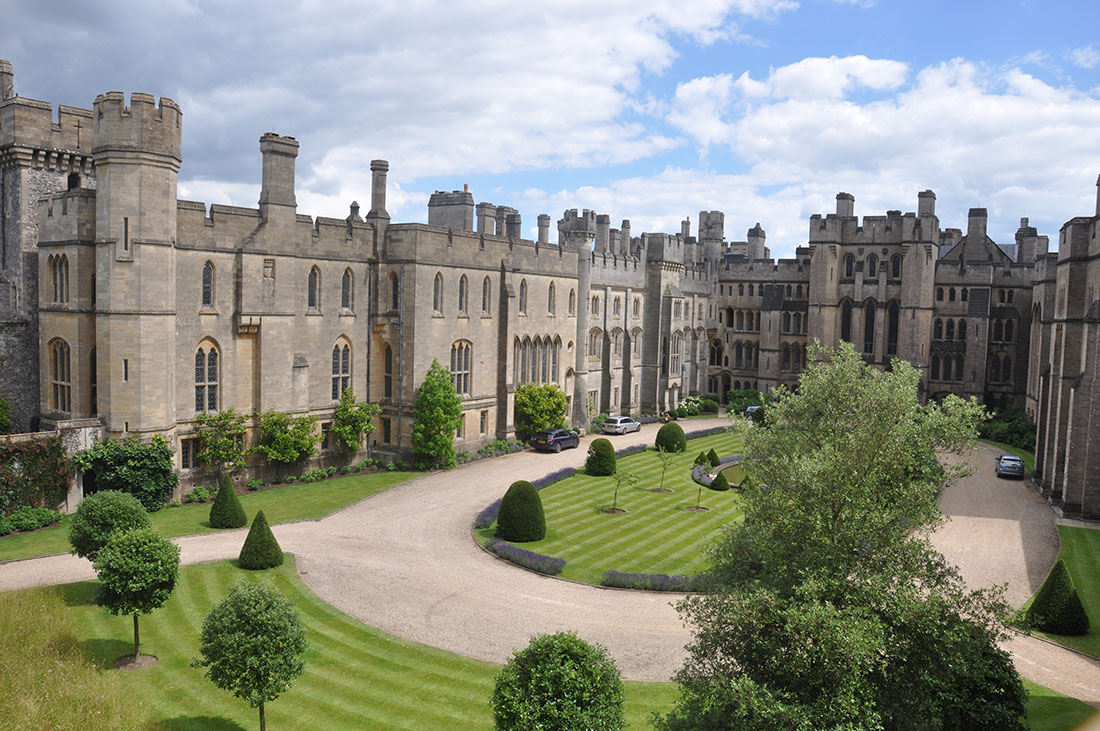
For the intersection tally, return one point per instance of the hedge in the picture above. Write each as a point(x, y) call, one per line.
point(601, 458)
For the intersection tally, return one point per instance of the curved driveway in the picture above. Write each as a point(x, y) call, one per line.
point(403, 561)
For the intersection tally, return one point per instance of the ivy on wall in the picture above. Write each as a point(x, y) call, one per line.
point(34, 473)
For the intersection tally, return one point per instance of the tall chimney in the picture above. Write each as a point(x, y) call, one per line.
point(625, 228)
point(603, 232)
point(926, 203)
point(277, 176)
point(513, 225)
point(7, 80)
point(975, 229)
point(845, 205)
point(378, 170)
point(544, 228)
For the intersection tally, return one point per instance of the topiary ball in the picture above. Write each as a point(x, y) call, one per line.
point(670, 438)
point(260, 549)
point(719, 483)
point(227, 511)
point(101, 514)
point(601, 458)
point(1057, 608)
point(521, 518)
point(712, 458)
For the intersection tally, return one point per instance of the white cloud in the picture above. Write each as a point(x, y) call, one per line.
point(1087, 57)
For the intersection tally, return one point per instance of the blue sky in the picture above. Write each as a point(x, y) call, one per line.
point(764, 109)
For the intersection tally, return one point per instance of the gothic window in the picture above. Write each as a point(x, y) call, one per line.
point(1001, 296)
point(387, 372)
point(341, 369)
point(995, 369)
point(869, 326)
point(486, 296)
point(616, 307)
point(637, 306)
point(617, 343)
point(998, 331)
point(937, 329)
point(93, 381)
point(939, 294)
point(962, 329)
point(895, 267)
point(460, 367)
point(798, 291)
point(61, 376)
point(437, 293)
point(951, 295)
point(949, 330)
point(462, 295)
point(716, 353)
point(935, 367)
point(572, 302)
point(786, 322)
point(740, 290)
point(313, 289)
point(551, 296)
point(206, 378)
point(893, 314)
point(523, 297)
point(964, 294)
point(207, 285)
point(872, 266)
point(946, 368)
point(799, 323)
point(544, 360)
point(595, 305)
point(1010, 295)
point(786, 358)
point(789, 291)
point(395, 292)
point(1009, 334)
point(595, 338)
point(346, 290)
point(676, 346)
point(738, 355)
point(554, 352)
point(846, 321)
point(740, 320)
point(849, 265)
point(959, 363)
point(796, 357)
point(677, 310)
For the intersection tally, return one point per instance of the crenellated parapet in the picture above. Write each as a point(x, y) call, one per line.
point(577, 230)
point(143, 126)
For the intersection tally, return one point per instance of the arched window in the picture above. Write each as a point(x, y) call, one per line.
point(206, 378)
point(935, 367)
point(617, 343)
point(799, 326)
point(637, 306)
point(595, 343)
point(395, 292)
point(208, 285)
point(751, 291)
point(462, 294)
point(716, 352)
point(846, 321)
point(789, 291)
point(523, 297)
point(554, 352)
point(615, 309)
point(951, 295)
point(786, 322)
point(595, 305)
point(869, 326)
point(995, 369)
point(437, 293)
point(61, 376)
point(676, 346)
point(341, 369)
point(738, 355)
point(345, 289)
point(786, 366)
point(313, 289)
point(740, 290)
point(893, 316)
point(962, 329)
point(460, 366)
point(1010, 295)
point(946, 367)
point(1009, 331)
point(740, 320)
point(849, 266)
point(1001, 296)
point(486, 296)
point(387, 372)
point(998, 331)
point(895, 266)
point(93, 381)
point(572, 302)
point(950, 329)
point(796, 357)
point(939, 294)
point(937, 329)
point(59, 276)
point(551, 298)
point(872, 266)
point(752, 357)
point(1006, 370)
point(964, 294)
point(959, 363)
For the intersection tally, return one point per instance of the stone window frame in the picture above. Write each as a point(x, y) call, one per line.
point(462, 366)
point(341, 367)
point(207, 373)
point(551, 299)
point(58, 267)
point(347, 291)
point(313, 290)
point(206, 296)
point(437, 294)
point(486, 297)
point(523, 296)
point(61, 397)
point(572, 302)
point(463, 288)
point(387, 371)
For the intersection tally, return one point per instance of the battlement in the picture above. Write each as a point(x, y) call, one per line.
point(143, 126)
point(67, 216)
point(577, 229)
point(844, 227)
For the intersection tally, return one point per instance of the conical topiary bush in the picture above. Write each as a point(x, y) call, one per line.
point(227, 511)
point(719, 483)
point(521, 518)
point(1057, 608)
point(702, 458)
point(260, 550)
point(712, 458)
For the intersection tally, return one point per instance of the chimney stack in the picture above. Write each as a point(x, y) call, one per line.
point(926, 203)
point(7, 80)
point(544, 228)
point(378, 169)
point(845, 205)
point(277, 175)
point(975, 229)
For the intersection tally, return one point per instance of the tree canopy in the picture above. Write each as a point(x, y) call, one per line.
point(538, 407)
point(438, 413)
point(827, 607)
point(352, 421)
point(221, 439)
point(286, 438)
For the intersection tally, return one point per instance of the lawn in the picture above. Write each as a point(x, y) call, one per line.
point(356, 676)
point(656, 534)
point(299, 501)
point(1081, 552)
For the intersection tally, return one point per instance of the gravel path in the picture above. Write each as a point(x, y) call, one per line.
point(403, 561)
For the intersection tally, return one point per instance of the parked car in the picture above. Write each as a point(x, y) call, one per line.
point(756, 413)
point(620, 425)
point(555, 440)
point(1009, 465)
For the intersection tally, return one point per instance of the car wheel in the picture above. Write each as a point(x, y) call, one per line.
point(557, 448)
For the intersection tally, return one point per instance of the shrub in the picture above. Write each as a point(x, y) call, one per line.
point(33, 472)
point(27, 518)
point(260, 549)
point(597, 423)
point(701, 459)
point(521, 518)
point(648, 582)
point(255, 484)
point(549, 565)
point(1057, 608)
point(538, 407)
point(221, 439)
point(352, 422)
point(227, 512)
point(289, 479)
point(199, 495)
point(601, 458)
point(6, 527)
point(348, 469)
point(287, 439)
point(719, 483)
point(101, 514)
point(712, 458)
point(559, 682)
point(670, 438)
point(5, 416)
point(146, 471)
point(1010, 426)
point(175, 504)
point(438, 414)
point(708, 406)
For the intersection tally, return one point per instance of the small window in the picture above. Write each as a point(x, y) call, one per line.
point(572, 302)
point(313, 296)
point(326, 433)
point(616, 307)
point(460, 432)
point(208, 285)
point(387, 373)
point(437, 293)
point(895, 269)
point(951, 295)
point(849, 265)
point(550, 299)
point(395, 292)
point(595, 305)
point(872, 266)
point(345, 290)
point(484, 423)
point(61, 376)
point(939, 294)
point(462, 295)
point(637, 306)
point(341, 369)
point(965, 292)
point(740, 290)
point(189, 449)
point(486, 296)
point(386, 437)
point(523, 297)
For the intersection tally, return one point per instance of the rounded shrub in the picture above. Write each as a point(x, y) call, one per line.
point(521, 518)
point(719, 483)
point(712, 458)
point(260, 550)
point(670, 438)
point(1057, 608)
point(101, 514)
point(227, 511)
point(601, 458)
point(682, 412)
point(559, 681)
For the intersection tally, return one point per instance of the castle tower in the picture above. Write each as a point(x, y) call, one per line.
point(578, 232)
point(136, 150)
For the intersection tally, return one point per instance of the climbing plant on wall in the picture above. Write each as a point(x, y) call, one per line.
point(146, 470)
point(33, 472)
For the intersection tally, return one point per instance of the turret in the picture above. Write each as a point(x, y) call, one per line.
point(625, 228)
point(845, 205)
point(926, 203)
point(453, 210)
point(577, 232)
point(712, 234)
point(603, 233)
point(756, 239)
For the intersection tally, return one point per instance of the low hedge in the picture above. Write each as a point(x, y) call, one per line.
point(549, 565)
point(27, 518)
point(648, 582)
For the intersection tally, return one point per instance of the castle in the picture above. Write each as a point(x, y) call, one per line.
point(139, 311)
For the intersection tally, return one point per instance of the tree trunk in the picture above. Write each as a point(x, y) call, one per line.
point(137, 643)
point(263, 721)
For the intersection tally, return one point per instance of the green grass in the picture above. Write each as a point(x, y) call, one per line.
point(1081, 553)
point(299, 501)
point(1026, 456)
point(655, 535)
point(1048, 710)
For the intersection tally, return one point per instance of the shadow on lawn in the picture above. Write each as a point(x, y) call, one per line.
point(201, 723)
point(80, 594)
point(103, 653)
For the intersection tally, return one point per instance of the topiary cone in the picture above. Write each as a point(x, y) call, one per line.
point(260, 550)
point(719, 483)
point(227, 511)
point(1057, 608)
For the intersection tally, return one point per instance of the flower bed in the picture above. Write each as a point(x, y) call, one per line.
point(648, 582)
point(549, 565)
point(700, 473)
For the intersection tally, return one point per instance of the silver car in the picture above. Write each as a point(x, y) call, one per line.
point(1009, 465)
point(620, 425)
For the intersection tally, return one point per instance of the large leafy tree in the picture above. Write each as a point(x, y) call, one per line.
point(252, 644)
point(538, 407)
point(287, 439)
point(827, 607)
point(221, 440)
point(352, 421)
point(438, 411)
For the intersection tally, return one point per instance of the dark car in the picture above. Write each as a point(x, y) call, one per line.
point(555, 440)
point(1009, 465)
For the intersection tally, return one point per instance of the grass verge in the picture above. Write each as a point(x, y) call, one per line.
point(299, 501)
point(657, 533)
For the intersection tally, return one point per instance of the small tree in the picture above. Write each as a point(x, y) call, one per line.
point(101, 514)
point(252, 645)
point(601, 458)
point(538, 407)
point(138, 570)
point(227, 511)
point(145, 470)
point(351, 421)
point(438, 412)
point(221, 440)
point(558, 682)
point(670, 438)
point(260, 549)
point(521, 517)
point(667, 457)
point(622, 480)
point(287, 439)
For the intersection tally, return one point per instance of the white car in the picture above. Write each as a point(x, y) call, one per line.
point(620, 425)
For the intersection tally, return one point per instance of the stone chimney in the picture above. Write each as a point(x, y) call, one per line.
point(7, 80)
point(486, 213)
point(975, 228)
point(845, 205)
point(625, 228)
point(454, 210)
point(277, 177)
point(544, 228)
point(513, 225)
point(603, 232)
point(378, 170)
point(926, 203)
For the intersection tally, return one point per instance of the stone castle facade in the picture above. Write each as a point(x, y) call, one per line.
point(138, 310)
